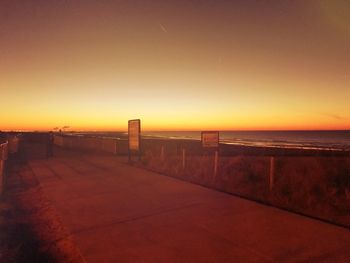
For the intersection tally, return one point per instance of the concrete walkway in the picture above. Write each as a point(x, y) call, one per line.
point(119, 213)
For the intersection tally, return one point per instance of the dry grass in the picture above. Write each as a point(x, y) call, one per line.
point(318, 186)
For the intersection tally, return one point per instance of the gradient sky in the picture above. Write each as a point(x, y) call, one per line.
point(177, 65)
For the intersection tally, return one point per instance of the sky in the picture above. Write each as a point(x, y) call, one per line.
point(176, 65)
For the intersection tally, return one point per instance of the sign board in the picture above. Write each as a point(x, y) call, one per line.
point(134, 131)
point(210, 139)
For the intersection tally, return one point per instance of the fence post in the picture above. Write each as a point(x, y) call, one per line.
point(272, 172)
point(216, 157)
point(183, 158)
point(115, 147)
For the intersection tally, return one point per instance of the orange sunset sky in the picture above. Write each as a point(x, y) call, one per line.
point(177, 65)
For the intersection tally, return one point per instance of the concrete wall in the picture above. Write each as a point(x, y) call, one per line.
point(107, 145)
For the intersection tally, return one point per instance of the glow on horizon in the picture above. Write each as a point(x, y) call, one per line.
point(222, 66)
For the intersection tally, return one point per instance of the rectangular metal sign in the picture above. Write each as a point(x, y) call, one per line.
point(134, 131)
point(210, 139)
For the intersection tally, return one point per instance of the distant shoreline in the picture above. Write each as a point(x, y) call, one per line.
point(291, 140)
point(226, 147)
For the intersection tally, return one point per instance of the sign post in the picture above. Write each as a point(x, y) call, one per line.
point(210, 141)
point(134, 138)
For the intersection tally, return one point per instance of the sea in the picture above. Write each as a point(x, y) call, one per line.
point(326, 140)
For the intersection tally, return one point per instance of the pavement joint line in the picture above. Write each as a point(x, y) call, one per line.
point(325, 255)
point(53, 171)
point(133, 219)
point(72, 233)
point(247, 248)
point(87, 161)
point(81, 173)
point(72, 167)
